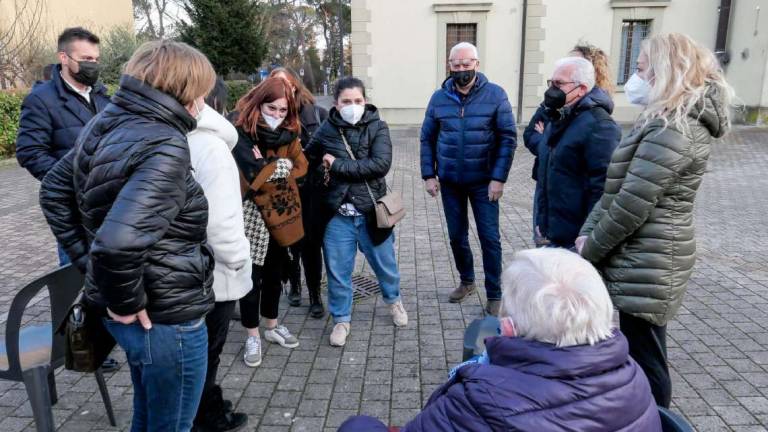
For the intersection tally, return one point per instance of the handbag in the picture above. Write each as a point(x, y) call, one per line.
point(389, 208)
point(87, 343)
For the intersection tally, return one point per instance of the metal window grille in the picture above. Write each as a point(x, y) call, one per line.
point(632, 34)
point(456, 33)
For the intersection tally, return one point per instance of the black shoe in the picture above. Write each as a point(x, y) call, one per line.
point(110, 365)
point(317, 310)
point(222, 422)
point(294, 295)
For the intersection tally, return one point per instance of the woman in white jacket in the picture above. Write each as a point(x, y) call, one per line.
point(210, 146)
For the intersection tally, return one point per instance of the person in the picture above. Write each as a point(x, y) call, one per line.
point(309, 250)
point(55, 111)
point(641, 234)
point(356, 152)
point(557, 365)
point(468, 139)
point(573, 151)
point(126, 208)
point(535, 129)
point(213, 166)
point(269, 158)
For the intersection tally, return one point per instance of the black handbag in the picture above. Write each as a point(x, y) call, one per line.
point(87, 341)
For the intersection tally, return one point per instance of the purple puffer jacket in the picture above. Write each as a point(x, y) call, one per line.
point(534, 386)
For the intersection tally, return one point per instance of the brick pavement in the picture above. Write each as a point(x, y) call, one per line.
point(718, 345)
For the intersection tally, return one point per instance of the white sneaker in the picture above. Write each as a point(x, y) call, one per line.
point(339, 334)
point(280, 335)
point(399, 315)
point(252, 356)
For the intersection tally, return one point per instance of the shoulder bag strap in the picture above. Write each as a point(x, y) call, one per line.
point(352, 155)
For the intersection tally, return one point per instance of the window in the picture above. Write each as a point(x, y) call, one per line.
point(456, 33)
point(632, 34)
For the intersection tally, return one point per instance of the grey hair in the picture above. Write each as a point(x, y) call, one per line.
point(582, 72)
point(461, 46)
point(557, 297)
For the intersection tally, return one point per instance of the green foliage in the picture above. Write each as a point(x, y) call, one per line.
point(230, 32)
point(117, 47)
point(236, 90)
point(10, 110)
point(318, 74)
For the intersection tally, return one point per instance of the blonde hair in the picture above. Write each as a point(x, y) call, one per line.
point(557, 297)
point(599, 60)
point(681, 73)
point(174, 68)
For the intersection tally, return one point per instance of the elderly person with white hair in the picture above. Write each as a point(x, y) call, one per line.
point(468, 139)
point(573, 151)
point(558, 365)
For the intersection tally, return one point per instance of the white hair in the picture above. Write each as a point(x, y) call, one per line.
point(555, 296)
point(464, 45)
point(582, 70)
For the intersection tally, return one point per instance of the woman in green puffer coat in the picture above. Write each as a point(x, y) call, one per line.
point(641, 235)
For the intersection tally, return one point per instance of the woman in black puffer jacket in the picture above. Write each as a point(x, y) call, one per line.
point(125, 207)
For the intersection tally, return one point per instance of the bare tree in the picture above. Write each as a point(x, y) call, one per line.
point(21, 40)
point(155, 17)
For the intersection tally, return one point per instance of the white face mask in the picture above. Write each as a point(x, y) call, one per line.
point(637, 90)
point(352, 113)
point(199, 110)
point(272, 122)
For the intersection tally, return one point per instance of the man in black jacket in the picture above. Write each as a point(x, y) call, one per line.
point(573, 149)
point(55, 111)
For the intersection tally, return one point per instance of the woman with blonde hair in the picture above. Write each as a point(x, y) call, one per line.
point(641, 234)
point(132, 217)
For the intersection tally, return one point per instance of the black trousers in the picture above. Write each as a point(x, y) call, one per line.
point(264, 298)
point(217, 322)
point(310, 253)
point(648, 346)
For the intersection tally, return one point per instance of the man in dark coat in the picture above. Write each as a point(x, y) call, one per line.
point(559, 364)
point(573, 151)
point(468, 139)
point(54, 111)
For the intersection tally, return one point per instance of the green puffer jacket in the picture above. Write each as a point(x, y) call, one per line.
point(641, 234)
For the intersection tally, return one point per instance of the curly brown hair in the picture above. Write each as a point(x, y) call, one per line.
point(598, 58)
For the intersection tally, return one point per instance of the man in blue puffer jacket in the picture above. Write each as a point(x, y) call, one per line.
point(573, 151)
point(468, 139)
point(558, 365)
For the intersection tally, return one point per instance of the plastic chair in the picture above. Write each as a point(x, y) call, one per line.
point(671, 422)
point(475, 334)
point(32, 353)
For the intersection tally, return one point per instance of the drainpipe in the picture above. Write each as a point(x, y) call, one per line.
point(721, 41)
point(521, 81)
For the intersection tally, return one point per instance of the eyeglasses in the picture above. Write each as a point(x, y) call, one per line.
point(462, 62)
point(558, 83)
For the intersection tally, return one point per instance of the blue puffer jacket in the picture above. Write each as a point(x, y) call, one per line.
point(470, 141)
point(573, 155)
point(51, 118)
point(534, 386)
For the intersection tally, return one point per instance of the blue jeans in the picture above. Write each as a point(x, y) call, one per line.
point(343, 236)
point(455, 200)
point(168, 365)
point(63, 257)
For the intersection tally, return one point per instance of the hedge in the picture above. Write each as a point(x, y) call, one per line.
point(235, 90)
point(10, 110)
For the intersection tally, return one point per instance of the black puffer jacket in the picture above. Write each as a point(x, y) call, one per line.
point(128, 212)
point(372, 147)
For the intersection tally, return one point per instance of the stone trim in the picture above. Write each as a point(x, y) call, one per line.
point(462, 7)
point(470, 13)
point(360, 43)
point(533, 79)
point(639, 3)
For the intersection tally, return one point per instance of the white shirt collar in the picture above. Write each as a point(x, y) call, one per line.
point(84, 93)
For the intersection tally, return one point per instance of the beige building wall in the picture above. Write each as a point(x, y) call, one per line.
point(396, 43)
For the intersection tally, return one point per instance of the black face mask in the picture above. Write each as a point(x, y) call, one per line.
point(554, 98)
point(463, 78)
point(88, 72)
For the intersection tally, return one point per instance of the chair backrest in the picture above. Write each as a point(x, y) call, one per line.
point(475, 334)
point(671, 422)
point(64, 285)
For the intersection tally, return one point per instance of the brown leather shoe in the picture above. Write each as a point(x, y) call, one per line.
point(461, 292)
point(492, 307)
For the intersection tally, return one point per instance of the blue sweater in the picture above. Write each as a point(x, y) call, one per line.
point(470, 140)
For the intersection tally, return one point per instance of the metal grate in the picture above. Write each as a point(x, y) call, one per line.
point(632, 34)
point(363, 287)
point(456, 33)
